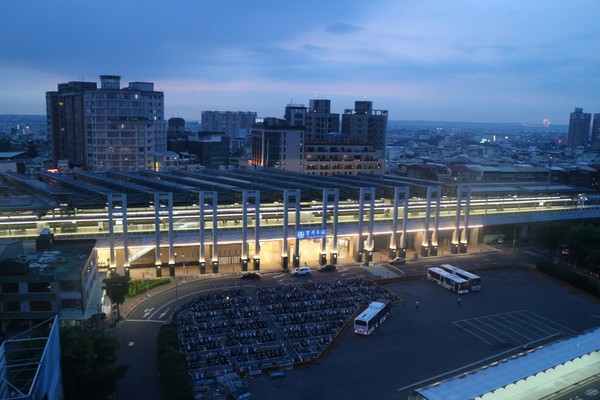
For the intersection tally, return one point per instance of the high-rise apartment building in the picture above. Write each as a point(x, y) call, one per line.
point(363, 124)
point(65, 110)
point(320, 121)
point(579, 128)
point(295, 114)
point(234, 124)
point(596, 131)
point(110, 128)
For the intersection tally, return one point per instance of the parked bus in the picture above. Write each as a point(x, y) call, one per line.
point(375, 314)
point(448, 280)
point(474, 280)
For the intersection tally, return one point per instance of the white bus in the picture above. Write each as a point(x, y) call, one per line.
point(474, 280)
point(375, 314)
point(448, 280)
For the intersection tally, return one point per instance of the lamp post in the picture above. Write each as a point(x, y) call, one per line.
point(110, 289)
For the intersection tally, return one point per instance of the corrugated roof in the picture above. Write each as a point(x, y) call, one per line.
point(508, 371)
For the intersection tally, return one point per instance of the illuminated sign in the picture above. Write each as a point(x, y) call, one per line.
point(310, 234)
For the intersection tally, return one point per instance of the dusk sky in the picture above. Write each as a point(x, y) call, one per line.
point(474, 61)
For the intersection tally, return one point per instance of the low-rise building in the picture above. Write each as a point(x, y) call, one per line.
point(48, 278)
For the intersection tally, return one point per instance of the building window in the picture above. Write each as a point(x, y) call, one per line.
point(69, 303)
point(40, 306)
point(39, 287)
point(9, 287)
point(69, 286)
point(12, 306)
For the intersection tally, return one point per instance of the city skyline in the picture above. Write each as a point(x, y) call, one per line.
point(464, 61)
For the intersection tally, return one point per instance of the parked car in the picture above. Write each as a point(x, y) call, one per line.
point(301, 271)
point(398, 261)
point(327, 268)
point(250, 276)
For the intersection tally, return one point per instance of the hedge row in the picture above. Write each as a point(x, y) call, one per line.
point(570, 277)
point(139, 287)
point(176, 381)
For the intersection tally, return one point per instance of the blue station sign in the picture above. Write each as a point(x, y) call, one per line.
point(310, 234)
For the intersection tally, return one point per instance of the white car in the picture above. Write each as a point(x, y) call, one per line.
point(301, 271)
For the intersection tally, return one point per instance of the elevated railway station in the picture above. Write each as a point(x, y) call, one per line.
point(263, 219)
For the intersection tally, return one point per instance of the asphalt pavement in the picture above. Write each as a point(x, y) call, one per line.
point(138, 332)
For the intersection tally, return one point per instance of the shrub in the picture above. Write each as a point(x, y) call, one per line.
point(573, 278)
point(175, 378)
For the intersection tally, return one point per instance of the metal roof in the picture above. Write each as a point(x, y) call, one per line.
point(514, 370)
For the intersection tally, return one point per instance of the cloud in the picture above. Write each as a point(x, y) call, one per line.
point(341, 27)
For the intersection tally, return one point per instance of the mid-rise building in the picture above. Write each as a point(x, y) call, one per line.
point(324, 150)
point(579, 128)
point(110, 128)
point(234, 124)
point(176, 128)
point(276, 144)
point(59, 277)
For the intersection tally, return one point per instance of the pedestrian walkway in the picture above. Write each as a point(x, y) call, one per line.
point(381, 271)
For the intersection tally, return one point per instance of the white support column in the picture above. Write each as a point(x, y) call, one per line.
point(207, 201)
point(398, 239)
point(367, 197)
point(163, 201)
point(331, 198)
point(117, 208)
point(291, 200)
point(464, 240)
point(250, 202)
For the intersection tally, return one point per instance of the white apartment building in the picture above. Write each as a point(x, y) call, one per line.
point(116, 128)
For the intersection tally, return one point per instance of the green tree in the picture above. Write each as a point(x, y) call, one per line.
point(5, 145)
point(88, 364)
point(117, 289)
point(583, 241)
point(31, 149)
point(551, 234)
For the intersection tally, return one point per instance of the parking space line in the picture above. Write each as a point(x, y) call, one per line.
point(504, 329)
point(532, 324)
point(562, 327)
point(472, 333)
point(534, 327)
point(509, 322)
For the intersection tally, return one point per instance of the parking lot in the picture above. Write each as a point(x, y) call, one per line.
point(440, 338)
point(248, 331)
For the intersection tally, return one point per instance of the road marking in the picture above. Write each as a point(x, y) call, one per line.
point(145, 320)
point(509, 322)
point(397, 269)
point(131, 344)
point(546, 319)
point(471, 332)
point(162, 314)
point(147, 311)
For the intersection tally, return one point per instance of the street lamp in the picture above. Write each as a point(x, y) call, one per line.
point(110, 289)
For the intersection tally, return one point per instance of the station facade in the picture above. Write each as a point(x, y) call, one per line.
point(261, 219)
